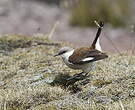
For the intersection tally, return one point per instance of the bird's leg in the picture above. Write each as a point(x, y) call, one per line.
point(75, 78)
point(86, 79)
point(86, 74)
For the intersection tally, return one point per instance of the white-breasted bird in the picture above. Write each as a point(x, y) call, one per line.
point(83, 58)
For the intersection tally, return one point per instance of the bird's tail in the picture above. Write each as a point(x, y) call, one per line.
point(96, 44)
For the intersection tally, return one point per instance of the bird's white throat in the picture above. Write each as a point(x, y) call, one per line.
point(67, 54)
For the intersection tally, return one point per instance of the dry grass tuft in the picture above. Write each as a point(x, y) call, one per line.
point(28, 68)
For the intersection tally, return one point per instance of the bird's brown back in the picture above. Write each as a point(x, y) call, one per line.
point(85, 52)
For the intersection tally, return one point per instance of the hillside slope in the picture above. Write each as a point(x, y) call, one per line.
point(28, 71)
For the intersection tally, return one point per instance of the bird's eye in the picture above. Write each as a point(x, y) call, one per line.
point(63, 52)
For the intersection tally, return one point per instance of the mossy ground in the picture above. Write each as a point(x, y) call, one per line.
point(27, 69)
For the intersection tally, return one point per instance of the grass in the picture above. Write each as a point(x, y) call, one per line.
point(28, 68)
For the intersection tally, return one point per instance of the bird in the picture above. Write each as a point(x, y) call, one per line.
point(83, 58)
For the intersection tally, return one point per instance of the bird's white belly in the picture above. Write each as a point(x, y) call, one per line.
point(84, 67)
point(70, 64)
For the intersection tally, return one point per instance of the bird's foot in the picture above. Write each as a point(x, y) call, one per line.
point(76, 77)
point(86, 74)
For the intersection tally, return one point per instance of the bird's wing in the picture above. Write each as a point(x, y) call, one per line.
point(86, 55)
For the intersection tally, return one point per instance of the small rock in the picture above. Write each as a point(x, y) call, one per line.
point(2, 83)
point(103, 99)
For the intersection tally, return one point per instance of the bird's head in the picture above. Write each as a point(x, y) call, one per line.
point(63, 50)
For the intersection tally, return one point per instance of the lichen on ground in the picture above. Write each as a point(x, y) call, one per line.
point(28, 68)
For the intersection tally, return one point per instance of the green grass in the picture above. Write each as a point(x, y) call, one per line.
point(27, 69)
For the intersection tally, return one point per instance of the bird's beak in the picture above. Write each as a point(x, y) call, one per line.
point(56, 54)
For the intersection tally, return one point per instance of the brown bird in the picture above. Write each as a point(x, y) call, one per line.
point(83, 58)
